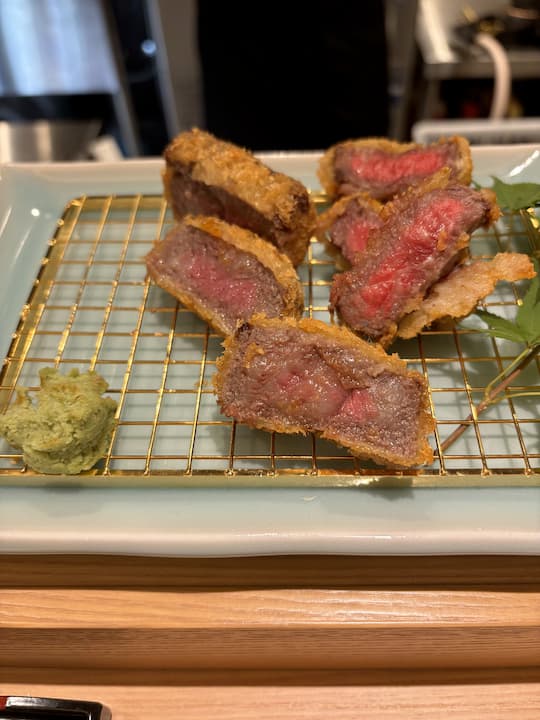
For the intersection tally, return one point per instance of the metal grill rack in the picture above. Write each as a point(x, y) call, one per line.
point(92, 307)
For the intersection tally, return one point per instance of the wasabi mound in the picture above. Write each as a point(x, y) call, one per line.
point(69, 426)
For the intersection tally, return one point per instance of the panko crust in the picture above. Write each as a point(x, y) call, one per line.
point(326, 172)
point(267, 255)
point(457, 295)
point(284, 201)
point(344, 337)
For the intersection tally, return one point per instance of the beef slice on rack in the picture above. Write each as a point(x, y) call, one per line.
point(208, 176)
point(224, 273)
point(304, 376)
point(345, 227)
point(384, 168)
point(426, 232)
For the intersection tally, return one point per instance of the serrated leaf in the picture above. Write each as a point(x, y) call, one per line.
point(500, 327)
point(528, 314)
point(516, 196)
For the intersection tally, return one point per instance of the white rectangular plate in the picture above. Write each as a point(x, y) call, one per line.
point(234, 521)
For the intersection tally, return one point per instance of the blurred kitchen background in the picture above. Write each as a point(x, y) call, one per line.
point(106, 79)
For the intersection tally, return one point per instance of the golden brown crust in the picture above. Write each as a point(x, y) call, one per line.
point(457, 295)
point(267, 255)
point(347, 339)
point(326, 172)
point(221, 164)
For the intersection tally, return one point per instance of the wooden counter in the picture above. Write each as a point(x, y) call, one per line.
point(299, 636)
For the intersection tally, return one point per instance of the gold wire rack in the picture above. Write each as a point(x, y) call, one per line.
point(92, 307)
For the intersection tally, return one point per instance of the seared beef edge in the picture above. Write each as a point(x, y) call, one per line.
point(190, 196)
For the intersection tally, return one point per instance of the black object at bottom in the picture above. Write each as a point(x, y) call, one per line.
point(17, 707)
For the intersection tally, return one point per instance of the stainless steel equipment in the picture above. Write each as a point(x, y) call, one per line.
point(46, 141)
point(442, 59)
point(62, 47)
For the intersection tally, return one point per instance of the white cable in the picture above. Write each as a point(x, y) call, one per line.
point(502, 74)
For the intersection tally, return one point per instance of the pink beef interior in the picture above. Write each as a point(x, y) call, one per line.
point(414, 248)
point(292, 377)
point(383, 174)
point(351, 230)
point(231, 283)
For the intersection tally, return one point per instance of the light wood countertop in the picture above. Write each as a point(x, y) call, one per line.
point(258, 637)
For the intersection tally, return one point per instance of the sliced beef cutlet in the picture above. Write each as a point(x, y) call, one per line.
point(224, 273)
point(385, 168)
point(425, 234)
point(301, 376)
point(208, 176)
point(345, 227)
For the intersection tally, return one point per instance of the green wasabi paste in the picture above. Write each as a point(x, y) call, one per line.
point(69, 426)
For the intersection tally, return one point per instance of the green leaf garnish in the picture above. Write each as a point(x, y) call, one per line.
point(528, 314)
point(500, 327)
point(525, 328)
point(516, 196)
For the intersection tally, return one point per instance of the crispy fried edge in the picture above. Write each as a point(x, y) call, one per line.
point(266, 254)
point(343, 336)
point(222, 164)
point(457, 295)
point(326, 173)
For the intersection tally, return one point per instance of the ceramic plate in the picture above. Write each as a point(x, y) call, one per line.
point(210, 521)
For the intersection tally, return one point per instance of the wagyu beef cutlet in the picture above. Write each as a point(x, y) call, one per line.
point(423, 236)
point(207, 176)
point(305, 376)
point(345, 227)
point(224, 273)
point(384, 168)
